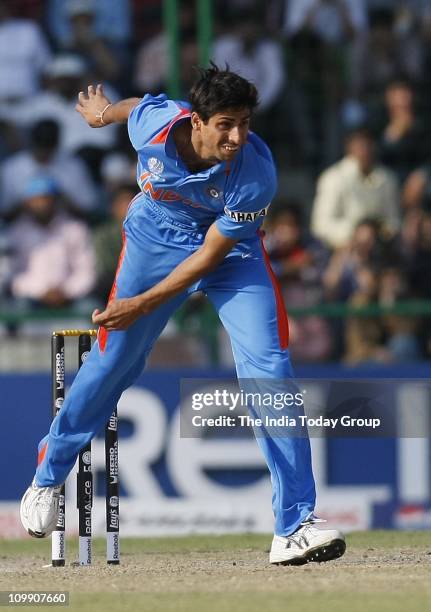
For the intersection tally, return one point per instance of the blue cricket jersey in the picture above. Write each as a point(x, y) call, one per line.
point(235, 194)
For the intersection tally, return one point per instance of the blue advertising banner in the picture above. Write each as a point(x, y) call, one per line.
point(168, 484)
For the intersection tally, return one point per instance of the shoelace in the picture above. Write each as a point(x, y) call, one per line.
point(312, 518)
point(300, 538)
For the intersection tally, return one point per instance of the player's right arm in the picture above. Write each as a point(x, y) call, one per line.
point(98, 111)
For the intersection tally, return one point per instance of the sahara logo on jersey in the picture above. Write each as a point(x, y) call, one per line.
point(240, 217)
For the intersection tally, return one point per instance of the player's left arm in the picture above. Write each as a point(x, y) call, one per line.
point(120, 314)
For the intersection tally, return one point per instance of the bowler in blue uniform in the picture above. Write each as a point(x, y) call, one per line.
point(206, 182)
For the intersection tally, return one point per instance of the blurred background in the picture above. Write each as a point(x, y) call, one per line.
point(345, 100)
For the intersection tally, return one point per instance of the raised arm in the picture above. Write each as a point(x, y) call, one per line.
point(119, 314)
point(98, 111)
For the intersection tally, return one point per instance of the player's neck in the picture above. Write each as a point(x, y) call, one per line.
point(190, 149)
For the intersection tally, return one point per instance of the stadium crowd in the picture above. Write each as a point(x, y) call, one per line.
point(344, 105)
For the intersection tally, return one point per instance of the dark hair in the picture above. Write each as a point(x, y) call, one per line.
point(358, 132)
point(45, 133)
point(216, 90)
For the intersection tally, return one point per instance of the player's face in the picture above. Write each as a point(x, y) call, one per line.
point(224, 133)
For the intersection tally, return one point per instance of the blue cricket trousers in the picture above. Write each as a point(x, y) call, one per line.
point(243, 291)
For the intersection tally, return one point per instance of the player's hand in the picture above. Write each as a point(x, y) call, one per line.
point(119, 314)
point(91, 104)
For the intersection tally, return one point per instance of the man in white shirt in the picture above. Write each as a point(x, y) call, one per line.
point(24, 54)
point(333, 21)
point(353, 189)
point(53, 262)
point(44, 157)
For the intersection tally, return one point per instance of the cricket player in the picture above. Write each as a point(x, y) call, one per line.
point(206, 182)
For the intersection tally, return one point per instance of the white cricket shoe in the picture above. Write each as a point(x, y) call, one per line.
point(307, 544)
point(39, 510)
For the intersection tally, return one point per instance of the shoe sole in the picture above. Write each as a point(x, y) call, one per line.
point(320, 554)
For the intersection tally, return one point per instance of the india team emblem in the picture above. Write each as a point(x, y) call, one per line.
point(213, 192)
point(155, 166)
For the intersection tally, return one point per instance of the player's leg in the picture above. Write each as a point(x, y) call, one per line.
point(117, 358)
point(244, 293)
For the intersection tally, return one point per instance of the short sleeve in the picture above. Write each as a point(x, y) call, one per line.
point(148, 118)
point(243, 218)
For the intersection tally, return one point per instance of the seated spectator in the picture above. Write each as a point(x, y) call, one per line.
point(84, 41)
point(52, 261)
point(400, 331)
point(253, 55)
point(151, 72)
point(108, 240)
point(364, 336)
point(298, 260)
point(44, 157)
point(391, 49)
point(112, 19)
point(334, 21)
point(353, 189)
point(24, 55)
point(66, 76)
point(365, 249)
point(419, 268)
point(404, 144)
point(417, 187)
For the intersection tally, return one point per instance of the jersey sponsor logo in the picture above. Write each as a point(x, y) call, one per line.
point(163, 195)
point(240, 217)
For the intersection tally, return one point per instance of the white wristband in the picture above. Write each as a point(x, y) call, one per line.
point(100, 115)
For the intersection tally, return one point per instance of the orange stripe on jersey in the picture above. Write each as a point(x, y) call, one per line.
point(42, 453)
point(161, 137)
point(282, 321)
point(102, 334)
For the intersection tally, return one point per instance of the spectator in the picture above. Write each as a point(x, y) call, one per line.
point(400, 331)
point(417, 187)
point(152, 59)
point(334, 21)
point(116, 170)
point(112, 20)
point(44, 157)
point(419, 269)
point(84, 42)
point(390, 50)
point(108, 240)
point(66, 75)
point(24, 54)
point(364, 336)
point(352, 189)
point(254, 56)
point(404, 144)
point(343, 274)
point(324, 37)
point(298, 259)
point(52, 263)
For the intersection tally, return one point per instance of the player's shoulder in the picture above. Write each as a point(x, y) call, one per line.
point(159, 108)
point(257, 158)
point(152, 115)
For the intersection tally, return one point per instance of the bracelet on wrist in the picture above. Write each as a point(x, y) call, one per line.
point(100, 115)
